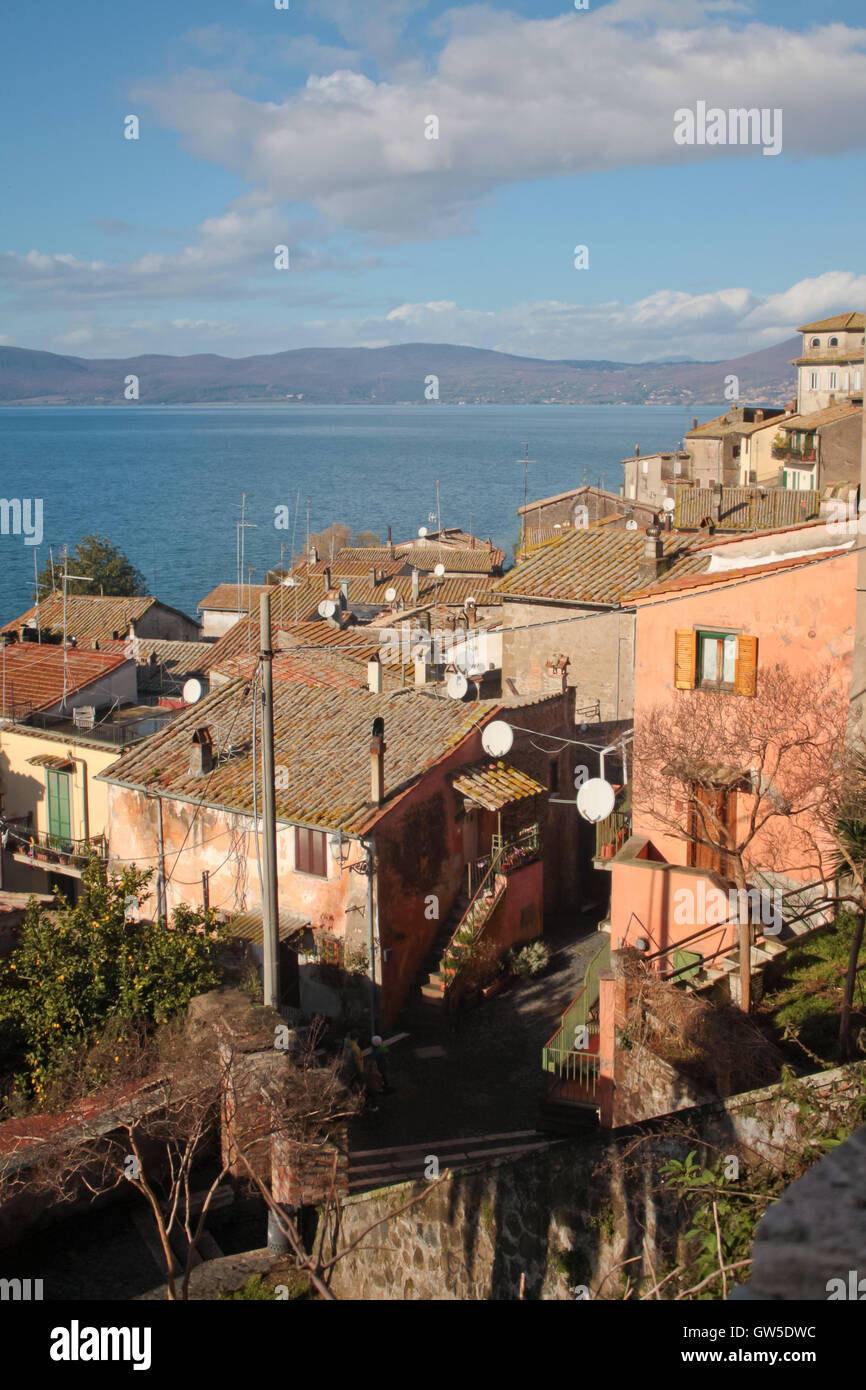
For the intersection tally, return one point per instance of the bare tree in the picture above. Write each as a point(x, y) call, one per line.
point(847, 822)
point(746, 781)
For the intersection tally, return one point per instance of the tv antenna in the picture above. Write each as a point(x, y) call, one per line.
point(240, 532)
point(66, 578)
point(526, 461)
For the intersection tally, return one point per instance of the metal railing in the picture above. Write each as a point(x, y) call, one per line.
point(576, 1017)
point(614, 830)
point(62, 849)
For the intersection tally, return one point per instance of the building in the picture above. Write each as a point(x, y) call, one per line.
point(53, 812)
point(565, 619)
point(375, 836)
point(92, 619)
point(650, 478)
point(724, 450)
point(830, 369)
point(579, 507)
point(226, 605)
point(819, 450)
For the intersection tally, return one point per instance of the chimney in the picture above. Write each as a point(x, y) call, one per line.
point(470, 607)
point(314, 555)
point(489, 543)
point(637, 451)
point(389, 537)
point(373, 576)
point(652, 564)
point(344, 592)
point(327, 578)
point(694, 422)
point(414, 586)
point(95, 644)
point(374, 675)
point(377, 762)
point(201, 753)
point(421, 669)
point(759, 415)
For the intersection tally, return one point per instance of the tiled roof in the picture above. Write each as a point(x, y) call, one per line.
point(701, 580)
point(851, 321)
point(87, 615)
point(360, 642)
point(174, 662)
point(598, 492)
point(817, 418)
point(352, 567)
point(228, 598)
point(494, 785)
point(322, 739)
point(746, 508)
point(467, 560)
point(725, 424)
point(34, 674)
point(591, 566)
point(247, 926)
point(321, 667)
point(301, 603)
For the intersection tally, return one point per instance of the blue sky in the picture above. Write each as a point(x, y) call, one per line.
point(306, 127)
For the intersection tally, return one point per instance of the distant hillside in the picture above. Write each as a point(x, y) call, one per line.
point(389, 375)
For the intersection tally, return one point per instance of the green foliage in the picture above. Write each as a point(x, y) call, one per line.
point(528, 961)
point(806, 998)
point(738, 1207)
point(254, 1289)
point(109, 570)
point(604, 1221)
point(79, 972)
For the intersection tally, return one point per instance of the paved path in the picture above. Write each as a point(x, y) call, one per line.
point(489, 1078)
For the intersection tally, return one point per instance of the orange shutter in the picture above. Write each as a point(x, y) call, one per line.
point(685, 656)
point(746, 673)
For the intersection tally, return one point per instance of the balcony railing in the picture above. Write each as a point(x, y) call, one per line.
point(61, 851)
point(801, 453)
point(612, 833)
point(557, 1054)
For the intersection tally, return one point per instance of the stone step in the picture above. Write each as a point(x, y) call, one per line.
point(433, 993)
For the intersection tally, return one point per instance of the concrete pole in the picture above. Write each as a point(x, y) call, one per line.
point(270, 907)
point(858, 666)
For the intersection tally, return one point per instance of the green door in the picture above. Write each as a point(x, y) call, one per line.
point(59, 818)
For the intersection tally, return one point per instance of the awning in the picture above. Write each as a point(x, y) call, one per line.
point(247, 926)
point(52, 760)
point(494, 785)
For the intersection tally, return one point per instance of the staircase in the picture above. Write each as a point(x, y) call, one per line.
point(370, 1168)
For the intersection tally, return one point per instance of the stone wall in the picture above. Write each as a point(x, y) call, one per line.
point(567, 1217)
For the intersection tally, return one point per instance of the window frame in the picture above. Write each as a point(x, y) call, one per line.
point(703, 683)
point(304, 860)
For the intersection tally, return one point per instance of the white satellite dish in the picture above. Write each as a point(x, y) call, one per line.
point(457, 686)
point(467, 602)
point(439, 571)
point(497, 739)
point(631, 525)
point(422, 531)
point(595, 800)
point(289, 582)
point(391, 594)
point(669, 504)
point(192, 691)
point(327, 608)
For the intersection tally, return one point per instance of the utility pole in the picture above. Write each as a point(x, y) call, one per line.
point(270, 907)
point(36, 582)
point(526, 461)
point(65, 586)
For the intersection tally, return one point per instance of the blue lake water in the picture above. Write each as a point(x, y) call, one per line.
point(164, 483)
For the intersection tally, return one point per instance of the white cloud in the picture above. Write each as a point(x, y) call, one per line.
point(518, 99)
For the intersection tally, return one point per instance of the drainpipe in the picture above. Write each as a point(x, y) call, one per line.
point(370, 847)
point(85, 819)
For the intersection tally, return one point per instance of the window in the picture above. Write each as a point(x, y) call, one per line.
point(833, 342)
point(831, 381)
point(311, 851)
point(721, 661)
point(813, 381)
point(59, 817)
point(858, 381)
point(816, 342)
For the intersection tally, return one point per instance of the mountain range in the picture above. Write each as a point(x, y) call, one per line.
point(390, 375)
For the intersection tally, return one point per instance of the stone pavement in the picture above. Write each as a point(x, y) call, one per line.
point(488, 1078)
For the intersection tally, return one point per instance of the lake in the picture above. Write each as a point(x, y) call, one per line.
point(164, 483)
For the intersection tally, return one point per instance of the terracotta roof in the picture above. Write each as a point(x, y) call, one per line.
point(746, 508)
point(571, 492)
point(34, 674)
point(722, 425)
point(468, 560)
point(851, 321)
point(360, 642)
point(226, 599)
point(839, 359)
point(817, 418)
point(494, 785)
point(588, 566)
point(702, 579)
point(87, 615)
point(320, 667)
point(322, 739)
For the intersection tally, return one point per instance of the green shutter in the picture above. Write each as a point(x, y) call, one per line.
point(59, 818)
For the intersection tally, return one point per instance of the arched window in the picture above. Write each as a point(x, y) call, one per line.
point(816, 342)
point(834, 342)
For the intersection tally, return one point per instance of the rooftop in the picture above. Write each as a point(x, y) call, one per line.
point(233, 598)
point(851, 322)
point(720, 560)
point(31, 674)
point(589, 566)
point(322, 738)
point(734, 423)
point(817, 418)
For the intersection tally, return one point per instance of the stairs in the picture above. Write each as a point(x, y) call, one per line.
point(429, 986)
point(370, 1168)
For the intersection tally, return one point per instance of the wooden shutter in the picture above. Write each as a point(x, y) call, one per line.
point(746, 672)
point(685, 658)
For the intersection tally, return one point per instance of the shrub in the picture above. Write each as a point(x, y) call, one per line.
point(529, 961)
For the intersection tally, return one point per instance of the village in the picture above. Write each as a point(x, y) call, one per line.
point(555, 846)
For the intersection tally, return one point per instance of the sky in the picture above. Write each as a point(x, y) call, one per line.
point(309, 127)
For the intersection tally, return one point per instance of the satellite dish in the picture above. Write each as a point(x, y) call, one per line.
point(327, 608)
point(31, 624)
point(439, 571)
point(595, 800)
point(391, 594)
point(468, 602)
point(669, 504)
point(289, 582)
point(192, 691)
point(631, 525)
point(422, 531)
point(457, 686)
point(497, 739)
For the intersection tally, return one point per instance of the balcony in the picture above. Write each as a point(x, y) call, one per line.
point(796, 453)
point(610, 836)
point(58, 853)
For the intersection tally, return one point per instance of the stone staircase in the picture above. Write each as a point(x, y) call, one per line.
point(726, 968)
point(429, 984)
